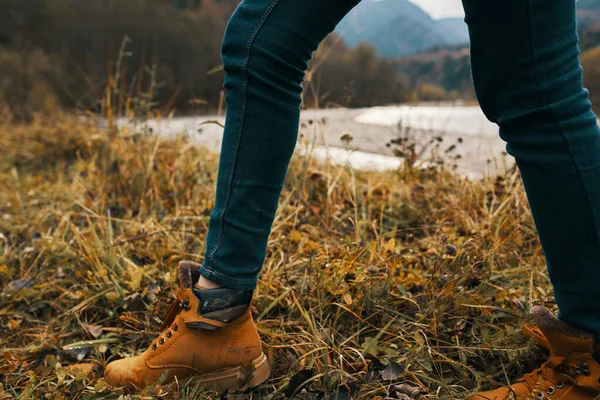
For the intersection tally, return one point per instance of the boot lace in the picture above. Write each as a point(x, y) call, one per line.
point(176, 307)
point(160, 340)
point(554, 374)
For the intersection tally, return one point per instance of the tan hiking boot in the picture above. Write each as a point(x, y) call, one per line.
point(571, 372)
point(208, 334)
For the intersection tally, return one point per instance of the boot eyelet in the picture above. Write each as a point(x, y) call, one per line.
point(161, 341)
point(154, 346)
point(577, 370)
point(560, 385)
point(186, 304)
point(540, 395)
point(169, 334)
point(551, 390)
point(175, 327)
point(585, 369)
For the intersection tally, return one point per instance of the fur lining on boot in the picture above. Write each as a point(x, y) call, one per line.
point(546, 320)
point(189, 273)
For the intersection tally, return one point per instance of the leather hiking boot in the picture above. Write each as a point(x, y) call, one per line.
point(208, 334)
point(571, 372)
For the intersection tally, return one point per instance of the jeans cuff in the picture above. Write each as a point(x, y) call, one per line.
point(222, 280)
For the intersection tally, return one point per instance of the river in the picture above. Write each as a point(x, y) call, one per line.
point(478, 149)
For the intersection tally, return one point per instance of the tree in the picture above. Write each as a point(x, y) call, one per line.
point(591, 74)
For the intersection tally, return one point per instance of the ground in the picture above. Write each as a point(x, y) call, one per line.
point(372, 280)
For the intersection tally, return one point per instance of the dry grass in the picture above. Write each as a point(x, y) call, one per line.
point(421, 268)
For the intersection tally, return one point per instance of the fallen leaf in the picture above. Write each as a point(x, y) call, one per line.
point(392, 371)
point(81, 369)
point(135, 302)
point(409, 390)
point(298, 382)
point(348, 299)
point(112, 296)
point(100, 386)
point(23, 283)
point(370, 345)
point(94, 330)
point(13, 324)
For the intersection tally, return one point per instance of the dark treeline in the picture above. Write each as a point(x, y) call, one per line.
point(159, 53)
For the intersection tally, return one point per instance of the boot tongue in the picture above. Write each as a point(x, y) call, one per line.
point(564, 339)
point(189, 273)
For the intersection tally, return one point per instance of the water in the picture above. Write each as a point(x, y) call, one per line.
point(481, 150)
point(467, 121)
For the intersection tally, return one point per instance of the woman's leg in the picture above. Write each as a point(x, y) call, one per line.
point(266, 50)
point(267, 46)
point(528, 80)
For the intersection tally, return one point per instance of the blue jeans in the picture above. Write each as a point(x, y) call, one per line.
point(528, 80)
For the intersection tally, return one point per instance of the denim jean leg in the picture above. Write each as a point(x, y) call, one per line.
point(266, 50)
point(528, 79)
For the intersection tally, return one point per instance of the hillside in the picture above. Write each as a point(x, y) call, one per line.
point(398, 28)
point(151, 54)
point(589, 4)
point(449, 67)
point(454, 29)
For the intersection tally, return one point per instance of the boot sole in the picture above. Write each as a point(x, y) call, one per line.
point(231, 378)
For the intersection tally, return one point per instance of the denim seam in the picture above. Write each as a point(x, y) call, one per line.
point(558, 124)
point(239, 130)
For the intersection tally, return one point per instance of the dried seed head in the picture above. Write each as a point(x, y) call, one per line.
point(372, 270)
point(451, 249)
point(347, 137)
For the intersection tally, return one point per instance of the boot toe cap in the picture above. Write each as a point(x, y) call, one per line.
point(122, 373)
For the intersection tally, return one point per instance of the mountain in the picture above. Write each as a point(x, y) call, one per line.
point(454, 29)
point(397, 28)
point(589, 5)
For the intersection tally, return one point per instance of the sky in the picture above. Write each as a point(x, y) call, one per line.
point(441, 8)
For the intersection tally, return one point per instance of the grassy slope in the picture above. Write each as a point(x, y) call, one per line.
point(417, 267)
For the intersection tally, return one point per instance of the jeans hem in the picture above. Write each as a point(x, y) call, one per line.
point(222, 280)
